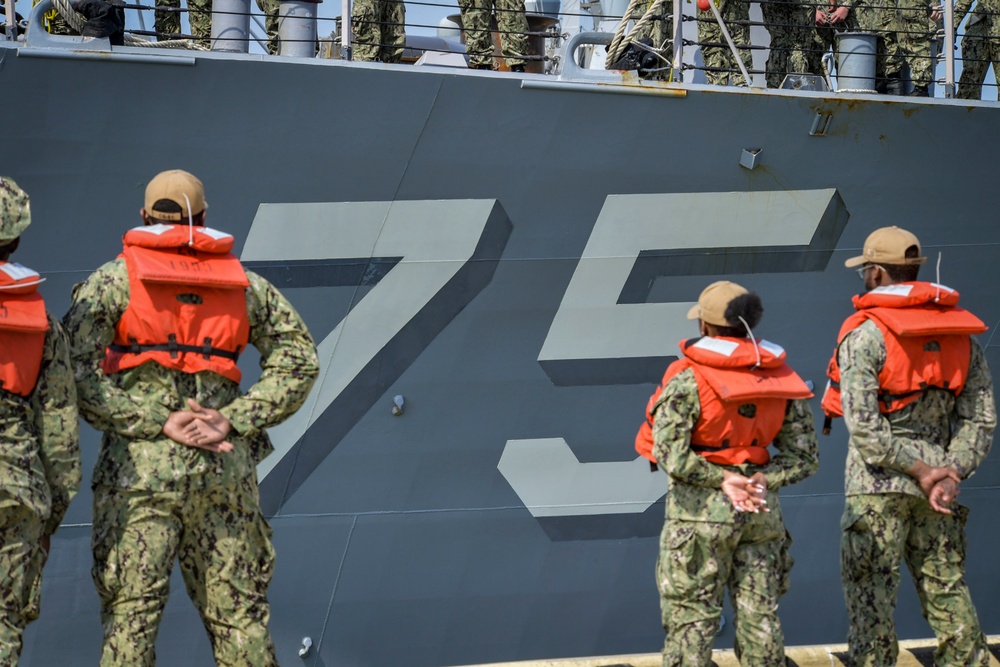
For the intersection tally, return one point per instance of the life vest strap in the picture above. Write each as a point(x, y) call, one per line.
point(173, 347)
point(718, 448)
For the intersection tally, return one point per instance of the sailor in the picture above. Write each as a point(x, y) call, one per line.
point(980, 45)
point(40, 458)
point(512, 26)
point(379, 28)
point(917, 400)
point(155, 335)
point(721, 67)
point(722, 403)
point(788, 22)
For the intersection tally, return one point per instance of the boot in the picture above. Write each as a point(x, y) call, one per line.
point(894, 85)
point(919, 91)
point(517, 68)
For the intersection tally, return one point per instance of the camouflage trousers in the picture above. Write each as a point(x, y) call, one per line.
point(168, 23)
point(222, 542)
point(914, 29)
point(879, 531)
point(379, 28)
point(511, 24)
point(720, 65)
point(980, 47)
point(698, 561)
point(792, 27)
point(21, 561)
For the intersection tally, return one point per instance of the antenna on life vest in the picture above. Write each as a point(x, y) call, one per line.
point(752, 340)
point(190, 220)
point(937, 280)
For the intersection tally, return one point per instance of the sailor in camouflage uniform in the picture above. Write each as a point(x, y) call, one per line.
point(908, 450)
point(379, 28)
point(512, 26)
point(40, 456)
point(723, 525)
point(980, 45)
point(175, 478)
point(721, 67)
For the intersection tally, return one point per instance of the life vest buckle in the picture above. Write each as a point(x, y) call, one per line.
point(172, 346)
point(206, 348)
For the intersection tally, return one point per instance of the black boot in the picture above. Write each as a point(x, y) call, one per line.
point(517, 68)
point(919, 91)
point(894, 85)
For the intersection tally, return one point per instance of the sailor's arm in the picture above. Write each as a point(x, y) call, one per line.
point(288, 360)
point(798, 449)
point(677, 411)
point(98, 304)
point(57, 425)
point(861, 356)
point(975, 417)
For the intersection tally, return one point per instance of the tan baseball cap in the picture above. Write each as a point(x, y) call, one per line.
point(888, 246)
point(179, 187)
point(712, 304)
point(15, 210)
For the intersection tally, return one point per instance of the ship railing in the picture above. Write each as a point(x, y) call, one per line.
point(299, 36)
point(648, 31)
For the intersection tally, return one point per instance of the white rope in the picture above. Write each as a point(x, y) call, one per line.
point(618, 44)
point(190, 220)
point(937, 279)
point(77, 21)
point(752, 340)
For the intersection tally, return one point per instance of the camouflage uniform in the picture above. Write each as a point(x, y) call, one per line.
point(379, 30)
point(791, 26)
point(913, 30)
point(872, 16)
point(511, 24)
point(980, 46)
point(156, 500)
point(707, 546)
point(39, 460)
point(715, 50)
point(887, 518)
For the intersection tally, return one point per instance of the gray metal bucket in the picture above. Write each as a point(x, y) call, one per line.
point(856, 61)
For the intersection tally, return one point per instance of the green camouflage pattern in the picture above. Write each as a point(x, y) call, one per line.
point(15, 210)
point(939, 429)
point(379, 28)
point(791, 26)
point(21, 560)
point(40, 473)
point(715, 50)
point(914, 29)
point(222, 543)
point(168, 23)
point(887, 517)
point(511, 24)
point(131, 407)
point(879, 531)
point(980, 47)
point(707, 546)
point(155, 499)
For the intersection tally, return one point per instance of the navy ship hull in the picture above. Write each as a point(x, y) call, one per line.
point(511, 256)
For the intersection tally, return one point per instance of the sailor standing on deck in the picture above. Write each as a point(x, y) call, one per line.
point(917, 399)
point(512, 26)
point(154, 340)
point(727, 398)
point(40, 454)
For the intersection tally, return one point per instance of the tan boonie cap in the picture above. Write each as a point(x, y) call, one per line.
point(712, 304)
point(888, 246)
point(15, 211)
point(179, 187)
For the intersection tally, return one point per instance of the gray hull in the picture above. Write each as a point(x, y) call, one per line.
point(512, 261)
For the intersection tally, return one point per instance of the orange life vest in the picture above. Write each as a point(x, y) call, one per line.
point(742, 401)
point(187, 302)
point(23, 324)
point(927, 344)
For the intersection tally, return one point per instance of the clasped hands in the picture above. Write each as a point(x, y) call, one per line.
point(745, 493)
point(939, 484)
point(203, 428)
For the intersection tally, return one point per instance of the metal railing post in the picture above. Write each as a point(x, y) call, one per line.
point(949, 46)
point(678, 41)
point(345, 29)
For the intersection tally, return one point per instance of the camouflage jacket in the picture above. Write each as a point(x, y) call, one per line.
point(694, 492)
point(939, 429)
point(40, 459)
point(131, 407)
